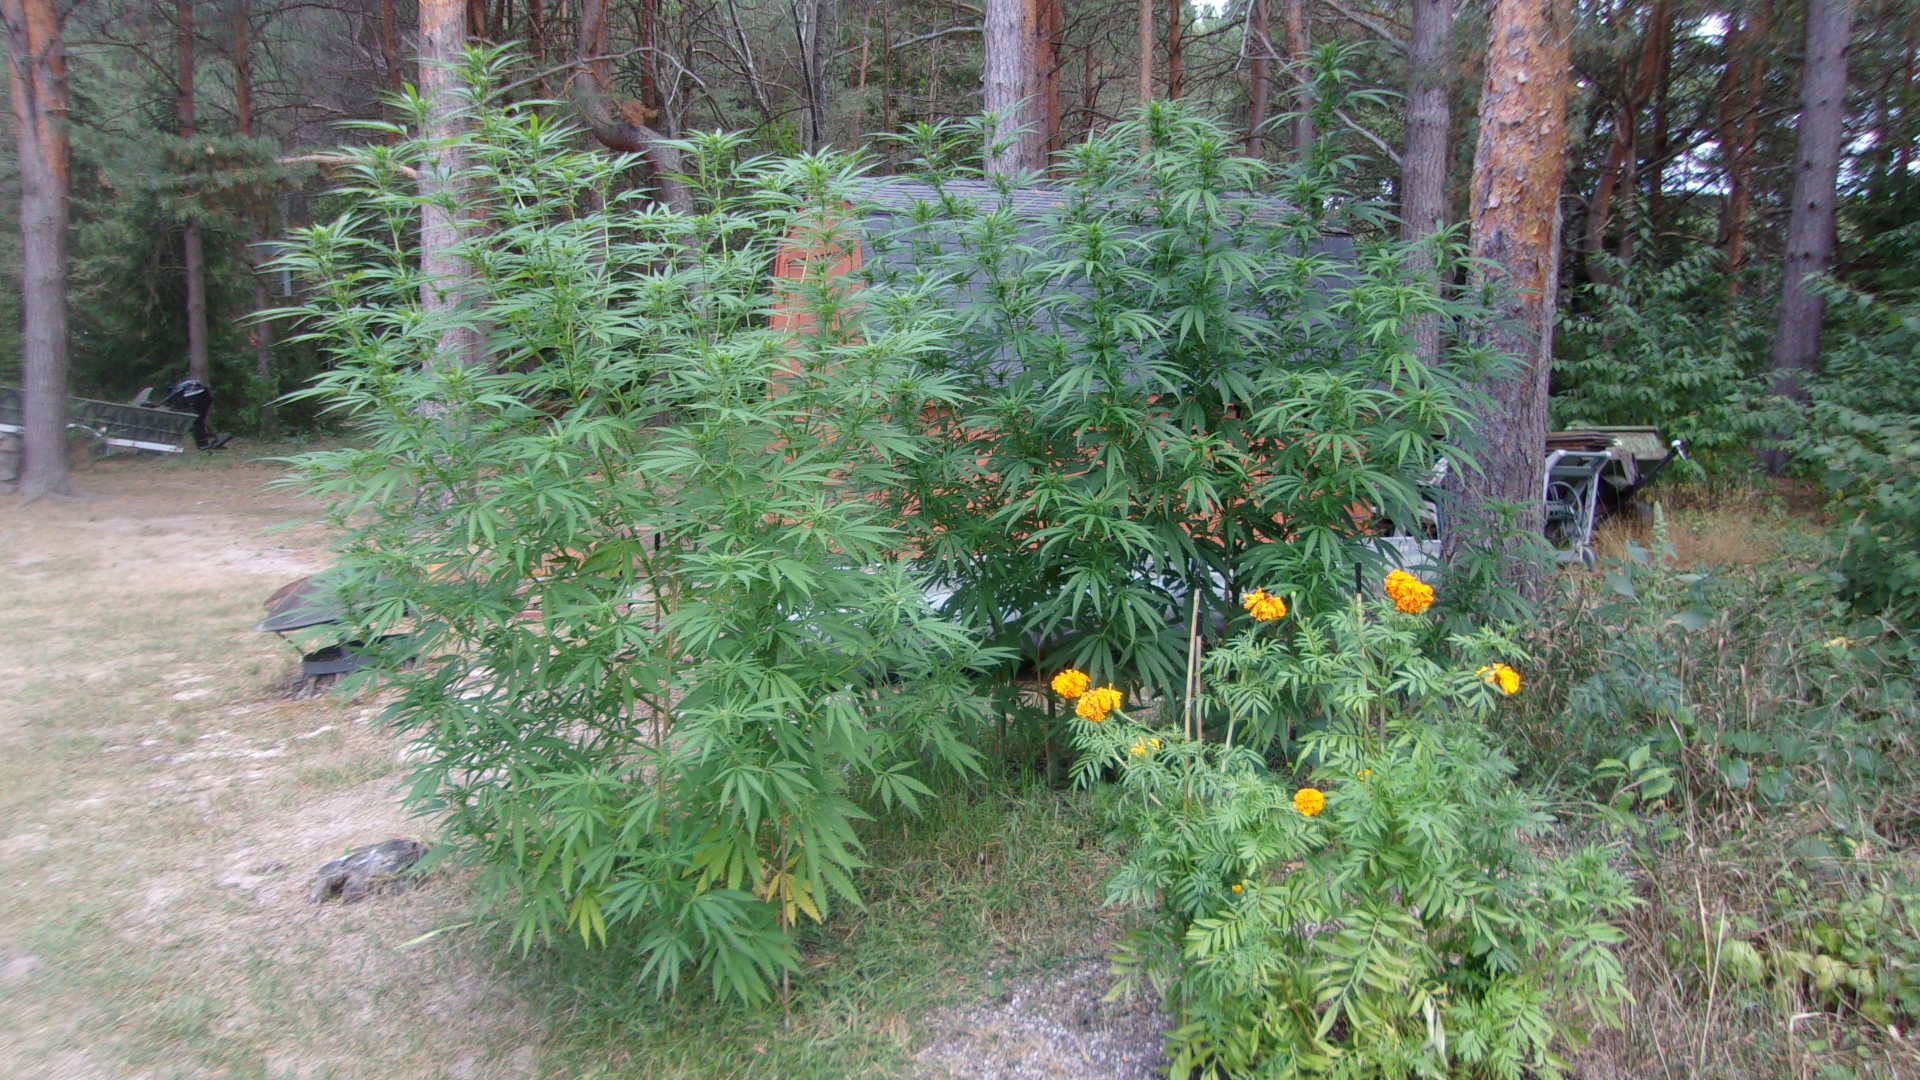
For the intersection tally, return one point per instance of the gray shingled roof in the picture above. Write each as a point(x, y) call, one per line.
point(893, 207)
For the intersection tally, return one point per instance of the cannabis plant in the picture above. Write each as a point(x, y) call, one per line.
point(1180, 383)
point(661, 658)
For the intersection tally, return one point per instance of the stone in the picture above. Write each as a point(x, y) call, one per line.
point(366, 870)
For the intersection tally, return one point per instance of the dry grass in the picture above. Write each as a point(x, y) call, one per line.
point(1688, 1017)
point(164, 807)
point(1734, 527)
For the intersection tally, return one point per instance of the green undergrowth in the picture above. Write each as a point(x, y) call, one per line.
point(1745, 738)
point(988, 887)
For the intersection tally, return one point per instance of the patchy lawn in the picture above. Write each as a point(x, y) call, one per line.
point(164, 804)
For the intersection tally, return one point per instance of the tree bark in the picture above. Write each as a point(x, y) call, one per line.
point(1047, 64)
point(260, 330)
point(199, 366)
point(1176, 62)
point(650, 98)
point(1298, 45)
point(1011, 29)
point(815, 26)
point(1259, 76)
point(1143, 34)
point(389, 51)
point(1656, 159)
point(1823, 92)
point(1518, 165)
point(37, 70)
point(1740, 100)
point(1423, 164)
point(448, 277)
point(622, 126)
point(1620, 151)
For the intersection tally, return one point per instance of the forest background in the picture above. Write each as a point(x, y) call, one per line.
point(196, 130)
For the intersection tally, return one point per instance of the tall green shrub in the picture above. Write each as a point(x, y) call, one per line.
point(663, 656)
point(1862, 438)
point(1667, 345)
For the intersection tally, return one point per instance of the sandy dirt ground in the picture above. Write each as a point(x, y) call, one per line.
point(163, 806)
point(164, 803)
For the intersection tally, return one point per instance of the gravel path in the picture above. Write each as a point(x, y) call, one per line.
point(1049, 1026)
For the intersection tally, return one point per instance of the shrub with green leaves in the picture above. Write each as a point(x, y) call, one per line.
point(664, 656)
point(1862, 437)
point(1392, 908)
point(1669, 346)
point(1855, 954)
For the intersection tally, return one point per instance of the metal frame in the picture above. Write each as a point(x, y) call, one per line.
point(129, 427)
point(1570, 490)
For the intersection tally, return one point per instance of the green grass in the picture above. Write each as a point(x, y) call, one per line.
point(988, 886)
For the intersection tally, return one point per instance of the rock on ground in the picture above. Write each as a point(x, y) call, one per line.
point(364, 869)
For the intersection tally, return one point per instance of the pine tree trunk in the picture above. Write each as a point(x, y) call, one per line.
point(389, 51)
point(443, 34)
point(1011, 29)
point(260, 330)
point(816, 28)
point(37, 72)
point(1740, 102)
point(199, 366)
point(619, 125)
point(1423, 164)
point(1143, 34)
point(1176, 60)
point(537, 40)
point(1656, 160)
point(1298, 45)
point(650, 99)
point(1823, 91)
point(1620, 151)
point(1518, 165)
point(1259, 76)
point(1046, 54)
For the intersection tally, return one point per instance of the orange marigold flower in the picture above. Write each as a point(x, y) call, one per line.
point(1095, 704)
point(1263, 605)
point(1409, 593)
point(1237, 886)
point(1502, 676)
point(1309, 801)
point(1071, 683)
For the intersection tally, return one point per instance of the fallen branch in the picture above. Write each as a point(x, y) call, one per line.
point(340, 161)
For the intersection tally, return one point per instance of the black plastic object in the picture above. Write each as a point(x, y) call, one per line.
point(192, 395)
point(349, 655)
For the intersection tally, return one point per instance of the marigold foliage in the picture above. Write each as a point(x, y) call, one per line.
point(1409, 926)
